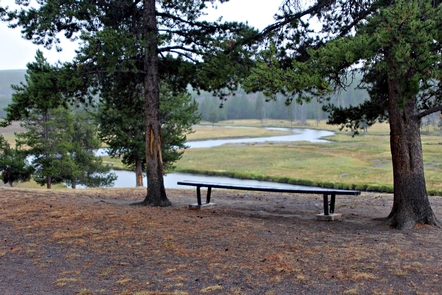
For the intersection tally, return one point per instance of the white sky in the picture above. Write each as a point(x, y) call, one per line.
point(16, 52)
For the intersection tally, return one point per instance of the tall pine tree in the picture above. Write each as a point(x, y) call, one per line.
point(152, 40)
point(396, 46)
point(61, 145)
point(121, 124)
point(13, 164)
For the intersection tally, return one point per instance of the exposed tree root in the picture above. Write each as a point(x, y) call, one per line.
point(409, 223)
point(161, 203)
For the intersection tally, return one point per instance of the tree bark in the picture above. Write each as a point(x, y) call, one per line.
point(48, 182)
point(156, 193)
point(411, 205)
point(138, 173)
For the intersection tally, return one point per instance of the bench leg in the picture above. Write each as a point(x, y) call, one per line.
point(209, 192)
point(198, 195)
point(329, 210)
point(199, 204)
point(325, 200)
point(332, 203)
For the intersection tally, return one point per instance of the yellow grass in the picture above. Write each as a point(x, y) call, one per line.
point(9, 132)
point(203, 132)
point(361, 162)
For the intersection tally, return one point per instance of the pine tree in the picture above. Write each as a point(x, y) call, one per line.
point(13, 164)
point(61, 146)
point(89, 169)
point(35, 98)
point(395, 46)
point(151, 40)
point(121, 126)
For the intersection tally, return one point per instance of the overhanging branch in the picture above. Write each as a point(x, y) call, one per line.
point(269, 29)
point(430, 111)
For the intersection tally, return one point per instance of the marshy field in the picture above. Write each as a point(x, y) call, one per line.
point(94, 241)
point(360, 162)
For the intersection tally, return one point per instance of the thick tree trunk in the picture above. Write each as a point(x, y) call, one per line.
point(411, 205)
point(48, 182)
point(156, 193)
point(139, 173)
point(46, 137)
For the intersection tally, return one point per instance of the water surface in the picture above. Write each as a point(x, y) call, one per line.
point(127, 178)
point(310, 135)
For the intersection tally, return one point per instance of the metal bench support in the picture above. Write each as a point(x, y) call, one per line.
point(198, 195)
point(199, 203)
point(329, 205)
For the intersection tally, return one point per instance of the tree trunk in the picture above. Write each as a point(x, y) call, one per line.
point(139, 173)
point(48, 182)
point(156, 193)
point(411, 205)
point(46, 137)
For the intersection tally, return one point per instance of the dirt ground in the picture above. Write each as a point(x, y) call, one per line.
point(95, 242)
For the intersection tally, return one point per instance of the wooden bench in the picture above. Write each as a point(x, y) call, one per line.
point(329, 207)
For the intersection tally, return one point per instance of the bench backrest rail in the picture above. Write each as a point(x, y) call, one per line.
point(269, 189)
point(329, 207)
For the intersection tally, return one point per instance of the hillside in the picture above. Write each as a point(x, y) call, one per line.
point(241, 106)
point(8, 78)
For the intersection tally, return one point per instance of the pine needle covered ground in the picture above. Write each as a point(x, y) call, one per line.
point(95, 242)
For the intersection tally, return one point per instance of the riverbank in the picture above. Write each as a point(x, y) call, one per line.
point(94, 242)
point(362, 162)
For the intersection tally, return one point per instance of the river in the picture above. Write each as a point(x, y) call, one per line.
point(310, 135)
point(127, 178)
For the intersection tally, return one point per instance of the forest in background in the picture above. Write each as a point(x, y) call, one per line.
point(244, 105)
point(8, 78)
point(240, 106)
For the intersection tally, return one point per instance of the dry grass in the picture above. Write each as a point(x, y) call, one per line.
point(95, 242)
point(212, 132)
point(362, 162)
point(8, 132)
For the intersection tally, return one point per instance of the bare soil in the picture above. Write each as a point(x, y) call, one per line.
point(95, 242)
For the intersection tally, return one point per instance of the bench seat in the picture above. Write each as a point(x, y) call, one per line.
point(329, 207)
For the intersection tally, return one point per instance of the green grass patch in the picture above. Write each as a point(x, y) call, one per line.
point(33, 184)
point(361, 162)
point(114, 162)
point(203, 132)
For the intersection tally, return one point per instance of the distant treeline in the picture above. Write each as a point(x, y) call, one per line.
point(257, 106)
point(8, 78)
point(239, 106)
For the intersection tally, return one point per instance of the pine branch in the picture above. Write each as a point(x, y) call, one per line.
point(430, 111)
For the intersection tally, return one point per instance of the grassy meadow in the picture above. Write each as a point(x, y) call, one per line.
point(350, 162)
point(9, 132)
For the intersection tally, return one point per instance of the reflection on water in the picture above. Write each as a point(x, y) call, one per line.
point(298, 135)
point(127, 178)
point(171, 180)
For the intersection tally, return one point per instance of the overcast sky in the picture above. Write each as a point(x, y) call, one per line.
point(16, 52)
